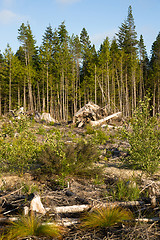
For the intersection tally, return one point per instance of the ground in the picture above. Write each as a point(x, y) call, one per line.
point(78, 191)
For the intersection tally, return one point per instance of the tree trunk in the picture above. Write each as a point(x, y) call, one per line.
point(119, 91)
point(108, 89)
point(113, 91)
point(51, 103)
point(10, 83)
point(140, 81)
point(30, 87)
point(158, 96)
point(43, 97)
point(127, 97)
point(47, 91)
point(19, 97)
point(24, 93)
point(95, 86)
point(39, 99)
point(154, 99)
point(0, 100)
point(134, 90)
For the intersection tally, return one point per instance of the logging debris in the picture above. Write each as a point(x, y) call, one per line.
point(94, 115)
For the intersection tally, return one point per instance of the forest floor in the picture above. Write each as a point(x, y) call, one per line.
point(78, 191)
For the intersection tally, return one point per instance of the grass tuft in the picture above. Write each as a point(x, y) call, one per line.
point(102, 218)
point(32, 226)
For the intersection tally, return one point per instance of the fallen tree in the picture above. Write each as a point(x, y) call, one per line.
point(102, 121)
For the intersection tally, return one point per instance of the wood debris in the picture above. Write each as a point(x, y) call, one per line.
point(93, 114)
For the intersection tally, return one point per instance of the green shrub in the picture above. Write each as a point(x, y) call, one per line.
point(89, 129)
point(99, 136)
point(80, 158)
point(144, 140)
point(51, 158)
point(18, 154)
point(67, 159)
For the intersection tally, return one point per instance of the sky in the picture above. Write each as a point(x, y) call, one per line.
point(101, 18)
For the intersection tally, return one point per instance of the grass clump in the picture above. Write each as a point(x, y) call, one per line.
point(32, 226)
point(125, 190)
point(102, 218)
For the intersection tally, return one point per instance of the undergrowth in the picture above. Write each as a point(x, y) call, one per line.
point(124, 190)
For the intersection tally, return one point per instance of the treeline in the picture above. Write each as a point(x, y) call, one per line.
point(66, 72)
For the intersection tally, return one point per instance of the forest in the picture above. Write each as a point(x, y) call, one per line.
point(66, 72)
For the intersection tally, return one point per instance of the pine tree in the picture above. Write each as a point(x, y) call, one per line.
point(88, 67)
point(8, 55)
point(117, 86)
point(155, 66)
point(64, 61)
point(127, 36)
point(104, 61)
point(75, 49)
point(46, 52)
point(28, 44)
point(143, 61)
point(127, 39)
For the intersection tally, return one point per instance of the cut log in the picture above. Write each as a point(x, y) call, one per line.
point(102, 121)
point(72, 209)
point(149, 220)
point(8, 219)
point(81, 208)
point(66, 222)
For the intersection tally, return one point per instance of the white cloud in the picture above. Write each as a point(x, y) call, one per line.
point(7, 16)
point(67, 1)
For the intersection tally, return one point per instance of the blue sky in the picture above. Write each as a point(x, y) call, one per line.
point(101, 18)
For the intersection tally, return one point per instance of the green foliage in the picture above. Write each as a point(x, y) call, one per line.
point(80, 158)
point(52, 156)
point(103, 218)
point(12, 127)
point(98, 135)
point(17, 152)
point(124, 190)
point(41, 131)
point(144, 140)
point(61, 159)
point(32, 226)
point(29, 188)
